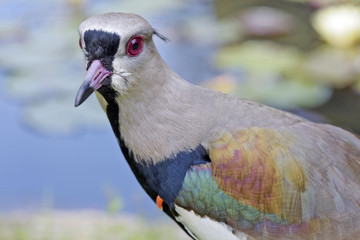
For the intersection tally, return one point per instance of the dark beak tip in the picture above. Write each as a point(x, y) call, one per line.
point(83, 93)
point(77, 103)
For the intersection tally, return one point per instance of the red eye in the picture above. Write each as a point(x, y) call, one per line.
point(135, 46)
point(80, 44)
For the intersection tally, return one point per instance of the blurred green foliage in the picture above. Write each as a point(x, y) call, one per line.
point(114, 201)
point(89, 225)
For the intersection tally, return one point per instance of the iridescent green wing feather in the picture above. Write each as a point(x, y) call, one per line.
point(259, 183)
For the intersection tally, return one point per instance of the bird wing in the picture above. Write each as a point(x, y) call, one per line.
point(300, 180)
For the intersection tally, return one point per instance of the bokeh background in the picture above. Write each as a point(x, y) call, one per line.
point(62, 175)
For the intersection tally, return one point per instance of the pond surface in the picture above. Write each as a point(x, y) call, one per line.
point(55, 156)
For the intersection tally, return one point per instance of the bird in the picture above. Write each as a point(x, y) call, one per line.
point(222, 167)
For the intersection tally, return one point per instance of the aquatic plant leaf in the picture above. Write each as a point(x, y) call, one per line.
point(58, 116)
point(332, 66)
point(258, 56)
point(273, 90)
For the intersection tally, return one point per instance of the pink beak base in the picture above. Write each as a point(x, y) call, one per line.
point(93, 81)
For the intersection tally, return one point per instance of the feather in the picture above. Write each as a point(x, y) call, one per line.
point(259, 184)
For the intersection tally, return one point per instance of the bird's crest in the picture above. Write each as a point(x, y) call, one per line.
point(159, 35)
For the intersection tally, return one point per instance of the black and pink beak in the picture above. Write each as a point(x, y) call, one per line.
point(93, 81)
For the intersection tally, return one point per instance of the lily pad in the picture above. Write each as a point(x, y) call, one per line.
point(332, 66)
point(263, 21)
point(272, 90)
point(260, 57)
point(222, 31)
point(58, 116)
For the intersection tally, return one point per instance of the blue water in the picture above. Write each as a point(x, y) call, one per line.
point(71, 172)
point(81, 171)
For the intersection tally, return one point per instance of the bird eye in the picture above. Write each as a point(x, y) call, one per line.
point(80, 44)
point(135, 46)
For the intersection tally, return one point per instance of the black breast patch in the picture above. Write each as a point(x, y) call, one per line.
point(166, 178)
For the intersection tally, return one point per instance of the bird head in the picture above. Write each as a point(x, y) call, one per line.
point(117, 48)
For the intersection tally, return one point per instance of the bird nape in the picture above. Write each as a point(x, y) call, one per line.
point(222, 167)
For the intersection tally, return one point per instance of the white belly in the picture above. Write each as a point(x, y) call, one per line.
point(204, 228)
